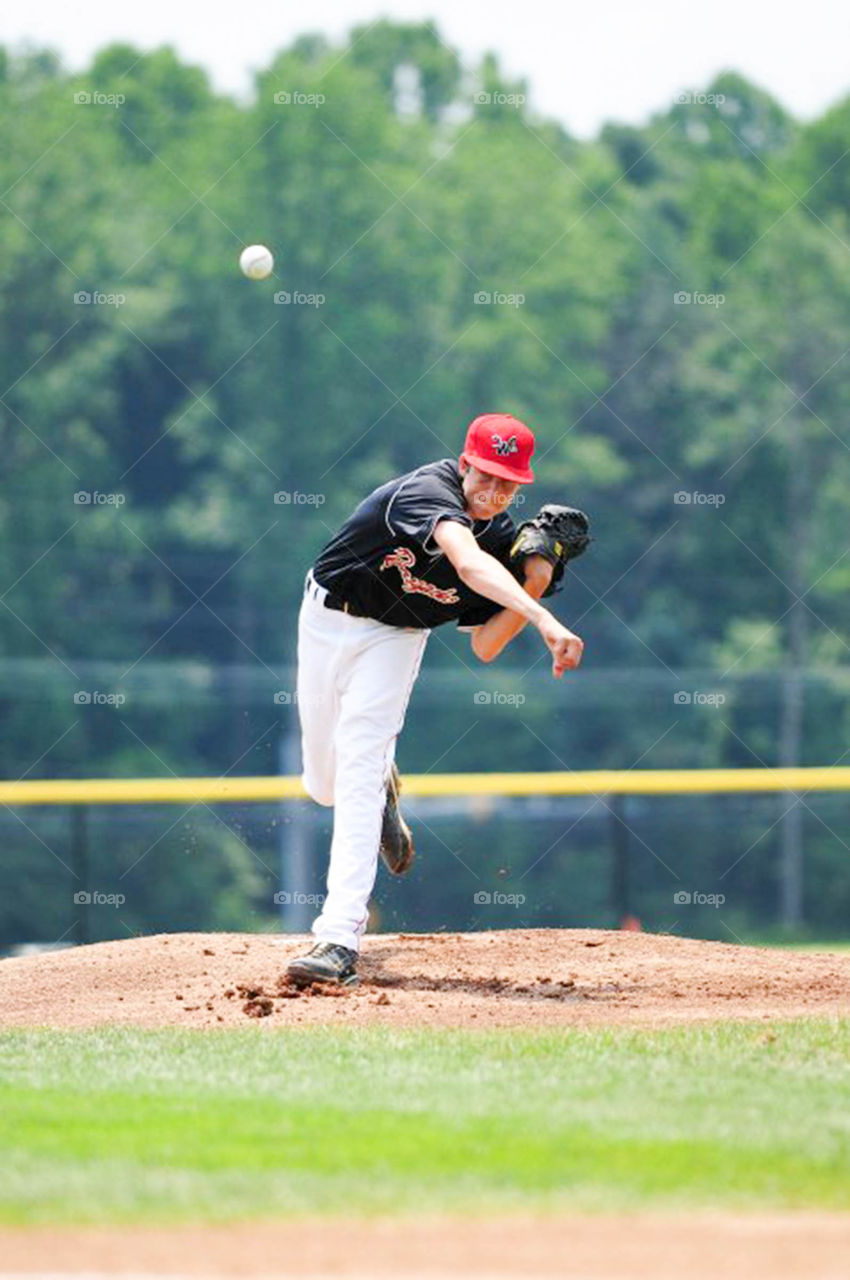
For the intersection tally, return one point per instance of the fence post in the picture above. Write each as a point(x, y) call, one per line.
point(80, 867)
point(620, 888)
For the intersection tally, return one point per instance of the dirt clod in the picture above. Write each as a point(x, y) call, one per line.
point(260, 1007)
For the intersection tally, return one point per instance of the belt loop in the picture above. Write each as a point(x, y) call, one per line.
point(313, 589)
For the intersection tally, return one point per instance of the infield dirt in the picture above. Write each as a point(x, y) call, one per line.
point(700, 1246)
point(516, 978)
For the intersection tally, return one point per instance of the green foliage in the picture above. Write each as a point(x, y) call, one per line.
point(386, 46)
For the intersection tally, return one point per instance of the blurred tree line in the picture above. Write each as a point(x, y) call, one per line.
point(667, 306)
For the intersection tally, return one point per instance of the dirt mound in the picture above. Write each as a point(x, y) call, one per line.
point(533, 977)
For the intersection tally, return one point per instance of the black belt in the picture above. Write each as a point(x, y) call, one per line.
point(336, 602)
point(333, 601)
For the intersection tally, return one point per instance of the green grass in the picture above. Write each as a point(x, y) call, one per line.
point(124, 1125)
point(796, 944)
point(843, 945)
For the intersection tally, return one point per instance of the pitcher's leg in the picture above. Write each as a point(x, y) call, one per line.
point(373, 704)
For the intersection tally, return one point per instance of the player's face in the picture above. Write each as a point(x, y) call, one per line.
point(486, 495)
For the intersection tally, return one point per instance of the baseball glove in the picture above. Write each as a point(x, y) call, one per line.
point(557, 533)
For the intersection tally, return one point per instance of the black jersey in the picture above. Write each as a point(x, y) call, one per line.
point(384, 560)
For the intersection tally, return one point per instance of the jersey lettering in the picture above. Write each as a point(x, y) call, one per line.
point(403, 559)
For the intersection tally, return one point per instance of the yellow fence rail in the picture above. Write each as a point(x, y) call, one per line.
point(561, 783)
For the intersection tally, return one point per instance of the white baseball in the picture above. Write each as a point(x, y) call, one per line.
point(256, 262)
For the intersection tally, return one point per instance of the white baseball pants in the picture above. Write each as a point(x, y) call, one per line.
point(355, 678)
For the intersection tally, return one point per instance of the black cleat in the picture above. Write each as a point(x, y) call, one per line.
point(396, 847)
point(325, 962)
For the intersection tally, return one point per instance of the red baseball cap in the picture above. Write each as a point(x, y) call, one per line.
point(500, 445)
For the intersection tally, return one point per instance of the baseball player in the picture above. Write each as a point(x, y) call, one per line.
point(433, 546)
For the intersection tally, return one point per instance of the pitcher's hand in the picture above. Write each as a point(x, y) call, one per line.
point(564, 645)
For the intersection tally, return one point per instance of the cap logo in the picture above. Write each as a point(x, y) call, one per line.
point(504, 447)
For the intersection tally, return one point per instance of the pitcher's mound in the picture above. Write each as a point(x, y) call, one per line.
point(523, 977)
